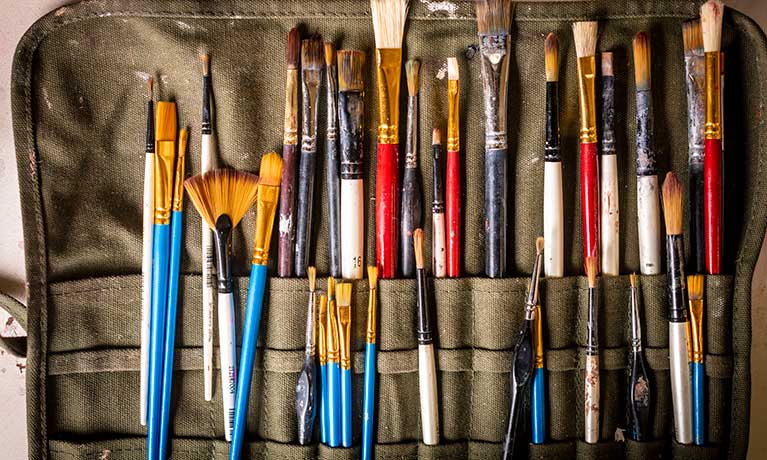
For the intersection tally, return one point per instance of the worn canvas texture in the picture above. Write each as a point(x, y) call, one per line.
point(79, 114)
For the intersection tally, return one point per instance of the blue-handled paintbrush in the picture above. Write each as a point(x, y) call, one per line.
point(369, 392)
point(333, 408)
point(344, 298)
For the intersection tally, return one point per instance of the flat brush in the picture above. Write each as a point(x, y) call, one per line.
point(711, 25)
point(677, 310)
point(411, 208)
point(694, 64)
point(311, 75)
point(695, 291)
point(351, 114)
point(146, 255)
point(344, 295)
point(438, 251)
point(222, 197)
point(553, 207)
point(306, 385)
point(639, 390)
point(333, 408)
point(538, 400)
point(288, 183)
point(453, 179)
point(648, 208)
point(427, 371)
point(332, 161)
point(369, 391)
point(522, 358)
point(493, 24)
point(389, 18)
point(266, 208)
point(322, 350)
point(608, 177)
point(592, 386)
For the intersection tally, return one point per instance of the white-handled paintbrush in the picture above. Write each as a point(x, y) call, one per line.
point(146, 255)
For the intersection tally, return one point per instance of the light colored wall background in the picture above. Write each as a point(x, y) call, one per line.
point(19, 15)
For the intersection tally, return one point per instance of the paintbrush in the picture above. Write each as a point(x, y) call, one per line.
point(591, 388)
point(306, 385)
point(493, 24)
point(608, 175)
point(411, 208)
point(639, 390)
point(332, 161)
point(427, 372)
point(322, 350)
point(696, 106)
point(351, 114)
point(648, 208)
point(369, 391)
point(585, 34)
point(522, 358)
point(695, 292)
point(677, 310)
point(453, 179)
point(333, 408)
point(438, 251)
point(311, 75)
point(553, 208)
point(389, 18)
point(538, 400)
point(165, 148)
point(344, 296)
point(146, 255)
point(711, 26)
point(266, 208)
point(287, 227)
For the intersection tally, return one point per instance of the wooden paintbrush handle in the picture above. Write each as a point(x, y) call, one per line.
point(304, 206)
point(411, 211)
point(610, 222)
point(287, 220)
point(590, 199)
point(387, 179)
point(495, 212)
point(591, 400)
point(453, 214)
point(712, 195)
point(553, 221)
point(697, 240)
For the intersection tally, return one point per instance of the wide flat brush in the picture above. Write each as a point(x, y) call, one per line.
point(344, 296)
point(438, 250)
point(332, 160)
point(389, 18)
point(591, 380)
point(306, 384)
point(288, 184)
point(453, 171)
point(369, 390)
point(608, 175)
point(411, 209)
point(146, 255)
point(553, 207)
point(695, 291)
point(639, 390)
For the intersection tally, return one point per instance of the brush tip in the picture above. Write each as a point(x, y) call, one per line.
point(539, 245)
point(695, 287)
point(692, 36)
point(551, 54)
point(389, 17)
point(331, 287)
point(607, 64)
point(312, 274)
point(222, 191)
point(293, 50)
point(183, 137)
point(418, 247)
point(373, 276)
point(271, 169)
point(494, 16)
point(672, 204)
point(452, 69)
point(436, 136)
point(591, 270)
point(585, 35)
point(711, 25)
point(344, 294)
point(150, 87)
point(312, 53)
point(165, 121)
point(642, 60)
point(351, 70)
point(633, 280)
point(413, 73)
point(330, 54)
point(205, 64)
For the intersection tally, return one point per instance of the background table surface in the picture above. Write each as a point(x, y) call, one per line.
point(19, 15)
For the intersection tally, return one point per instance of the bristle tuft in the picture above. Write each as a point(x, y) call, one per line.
point(692, 36)
point(222, 191)
point(585, 34)
point(331, 287)
point(539, 245)
point(452, 69)
point(271, 169)
point(293, 50)
point(607, 64)
point(413, 74)
point(373, 276)
point(183, 138)
point(205, 64)
point(695, 287)
point(436, 136)
point(351, 70)
point(165, 121)
point(389, 18)
point(672, 204)
point(330, 54)
point(591, 270)
point(150, 87)
point(551, 53)
point(312, 274)
point(344, 294)
point(642, 61)
point(633, 280)
point(494, 16)
point(418, 246)
point(312, 53)
point(711, 25)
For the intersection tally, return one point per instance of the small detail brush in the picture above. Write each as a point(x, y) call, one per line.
point(411, 209)
point(322, 349)
point(334, 368)
point(538, 401)
point(369, 392)
point(639, 390)
point(591, 391)
point(332, 160)
point(306, 385)
point(344, 296)
point(438, 251)
point(453, 179)
point(695, 291)
point(146, 255)
point(553, 207)
point(609, 220)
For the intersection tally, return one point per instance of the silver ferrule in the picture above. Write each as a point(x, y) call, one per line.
point(411, 139)
point(695, 69)
point(681, 394)
point(494, 52)
point(636, 326)
point(310, 90)
point(532, 293)
point(310, 319)
point(332, 103)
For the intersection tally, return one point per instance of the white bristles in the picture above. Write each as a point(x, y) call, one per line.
point(389, 18)
point(452, 68)
point(585, 34)
point(711, 25)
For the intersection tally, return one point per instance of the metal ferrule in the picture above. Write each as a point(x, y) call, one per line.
point(223, 237)
point(266, 207)
point(695, 70)
point(331, 329)
point(494, 52)
point(532, 291)
point(538, 337)
point(150, 127)
point(163, 181)
point(423, 322)
point(644, 139)
point(344, 335)
point(677, 287)
point(331, 101)
point(586, 80)
point(370, 336)
point(311, 330)
point(322, 344)
point(438, 180)
point(310, 90)
point(388, 74)
point(411, 136)
point(453, 98)
point(351, 114)
point(206, 125)
point(636, 325)
point(696, 330)
point(551, 147)
point(592, 328)
point(713, 126)
point(608, 115)
point(290, 129)
point(178, 182)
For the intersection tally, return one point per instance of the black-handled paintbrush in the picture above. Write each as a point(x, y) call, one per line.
point(412, 198)
point(306, 385)
point(639, 392)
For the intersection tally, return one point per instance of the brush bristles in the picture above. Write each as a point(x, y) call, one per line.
point(222, 191)
point(413, 74)
point(311, 272)
point(293, 50)
point(330, 54)
point(551, 53)
point(494, 16)
point(165, 122)
point(331, 287)
point(672, 204)
point(150, 88)
point(205, 65)
point(692, 36)
point(695, 287)
point(418, 247)
point(389, 18)
point(351, 70)
point(642, 61)
point(607, 64)
point(312, 53)
point(452, 69)
point(373, 276)
point(436, 136)
point(633, 280)
point(344, 294)
point(711, 25)
point(271, 169)
point(591, 270)
point(539, 245)
point(585, 35)
point(183, 137)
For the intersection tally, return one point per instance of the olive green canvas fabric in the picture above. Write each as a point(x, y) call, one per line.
point(79, 114)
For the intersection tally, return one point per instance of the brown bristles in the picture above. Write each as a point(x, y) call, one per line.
point(293, 50)
point(311, 53)
point(205, 65)
point(494, 16)
point(642, 61)
point(150, 88)
point(223, 191)
point(311, 272)
point(413, 74)
point(607, 64)
point(165, 122)
point(692, 36)
point(418, 246)
point(672, 204)
point(539, 245)
point(591, 270)
point(373, 276)
point(271, 169)
point(436, 136)
point(695, 287)
point(389, 18)
point(551, 52)
point(711, 25)
point(585, 35)
point(633, 280)
point(351, 70)
point(330, 54)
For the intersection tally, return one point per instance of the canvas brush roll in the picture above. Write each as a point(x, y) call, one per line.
point(78, 126)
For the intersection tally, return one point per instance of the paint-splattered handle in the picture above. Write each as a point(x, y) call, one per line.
point(495, 212)
point(387, 180)
point(411, 211)
point(453, 214)
point(590, 199)
point(712, 195)
point(287, 210)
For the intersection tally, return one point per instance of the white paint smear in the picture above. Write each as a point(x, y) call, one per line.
point(448, 7)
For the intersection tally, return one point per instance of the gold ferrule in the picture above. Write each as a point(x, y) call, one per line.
point(371, 332)
point(388, 75)
point(453, 95)
point(538, 337)
point(178, 181)
point(321, 335)
point(331, 331)
point(713, 126)
point(345, 332)
point(290, 135)
point(266, 207)
point(163, 180)
point(586, 81)
point(696, 331)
